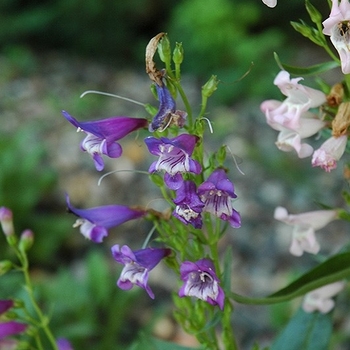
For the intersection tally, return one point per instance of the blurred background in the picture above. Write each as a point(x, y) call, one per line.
point(50, 53)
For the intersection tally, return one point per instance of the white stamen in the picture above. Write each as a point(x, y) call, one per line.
point(209, 124)
point(120, 171)
point(234, 159)
point(112, 95)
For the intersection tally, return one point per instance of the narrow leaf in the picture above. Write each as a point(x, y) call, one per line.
point(300, 71)
point(307, 331)
point(332, 270)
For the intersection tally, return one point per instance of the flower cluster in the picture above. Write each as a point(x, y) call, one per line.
point(192, 196)
point(295, 121)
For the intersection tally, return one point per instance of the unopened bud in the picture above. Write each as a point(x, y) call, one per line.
point(178, 54)
point(335, 96)
point(341, 122)
point(210, 86)
point(5, 266)
point(6, 221)
point(164, 50)
point(26, 240)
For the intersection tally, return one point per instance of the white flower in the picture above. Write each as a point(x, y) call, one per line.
point(304, 227)
point(270, 3)
point(320, 299)
point(337, 26)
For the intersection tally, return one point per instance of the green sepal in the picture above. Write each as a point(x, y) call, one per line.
point(151, 109)
point(157, 179)
point(178, 54)
point(314, 14)
point(164, 49)
point(343, 214)
point(302, 71)
point(307, 331)
point(332, 270)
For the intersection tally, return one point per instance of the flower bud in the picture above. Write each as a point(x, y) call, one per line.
point(5, 266)
point(178, 54)
point(210, 86)
point(26, 240)
point(6, 221)
point(164, 49)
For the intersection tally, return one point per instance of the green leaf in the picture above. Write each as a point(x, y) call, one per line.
point(332, 270)
point(315, 69)
point(307, 331)
point(148, 342)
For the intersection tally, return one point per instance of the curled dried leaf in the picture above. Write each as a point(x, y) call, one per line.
point(335, 97)
point(341, 122)
point(151, 69)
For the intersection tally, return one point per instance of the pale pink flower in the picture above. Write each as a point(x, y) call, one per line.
point(288, 139)
point(304, 227)
point(320, 299)
point(329, 153)
point(337, 27)
point(299, 100)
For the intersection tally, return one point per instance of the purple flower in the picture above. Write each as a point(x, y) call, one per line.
point(101, 135)
point(95, 222)
point(188, 205)
point(137, 263)
point(10, 327)
point(174, 157)
point(167, 113)
point(201, 282)
point(63, 344)
point(216, 193)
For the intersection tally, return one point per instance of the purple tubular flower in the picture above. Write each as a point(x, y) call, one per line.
point(174, 157)
point(167, 113)
point(63, 344)
point(217, 193)
point(201, 282)
point(188, 205)
point(95, 222)
point(101, 135)
point(11, 327)
point(138, 264)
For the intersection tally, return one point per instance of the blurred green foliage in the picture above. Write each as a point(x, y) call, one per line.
point(220, 39)
point(101, 29)
point(225, 37)
point(106, 323)
point(27, 184)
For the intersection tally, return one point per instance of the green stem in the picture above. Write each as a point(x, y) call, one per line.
point(186, 103)
point(29, 288)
